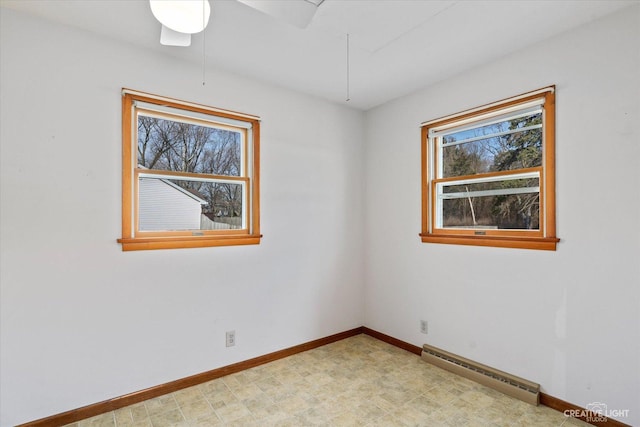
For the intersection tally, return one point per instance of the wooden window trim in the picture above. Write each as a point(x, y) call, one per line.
point(132, 239)
point(543, 239)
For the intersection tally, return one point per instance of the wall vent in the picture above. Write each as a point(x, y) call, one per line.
point(503, 382)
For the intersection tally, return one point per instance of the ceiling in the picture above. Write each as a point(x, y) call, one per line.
point(396, 46)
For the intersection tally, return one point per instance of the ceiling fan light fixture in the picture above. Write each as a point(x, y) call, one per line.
point(182, 16)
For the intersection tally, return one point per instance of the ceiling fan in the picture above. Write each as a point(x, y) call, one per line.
point(181, 18)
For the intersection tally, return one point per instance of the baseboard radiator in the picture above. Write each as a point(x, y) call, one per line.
point(503, 382)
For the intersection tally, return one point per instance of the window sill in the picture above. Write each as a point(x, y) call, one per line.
point(539, 243)
point(148, 243)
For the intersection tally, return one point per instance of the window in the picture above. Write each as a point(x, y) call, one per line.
point(190, 175)
point(488, 175)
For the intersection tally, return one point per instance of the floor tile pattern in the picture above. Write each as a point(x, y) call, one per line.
point(359, 381)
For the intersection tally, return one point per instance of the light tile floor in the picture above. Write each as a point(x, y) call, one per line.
point(359, 381)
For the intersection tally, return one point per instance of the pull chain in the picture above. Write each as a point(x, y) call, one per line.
point(348, 96)
point(204, 42)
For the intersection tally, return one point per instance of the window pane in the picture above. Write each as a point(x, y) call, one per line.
point(515, 211)
point(184, 147)
point(504, 186)
point(174, 205)
point(496, 147)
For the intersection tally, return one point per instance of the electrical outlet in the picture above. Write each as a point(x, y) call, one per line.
point(424, 328)
point(231, 338)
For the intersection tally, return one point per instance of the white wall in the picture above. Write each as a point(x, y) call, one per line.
point(570, 319)
point(81, 320)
